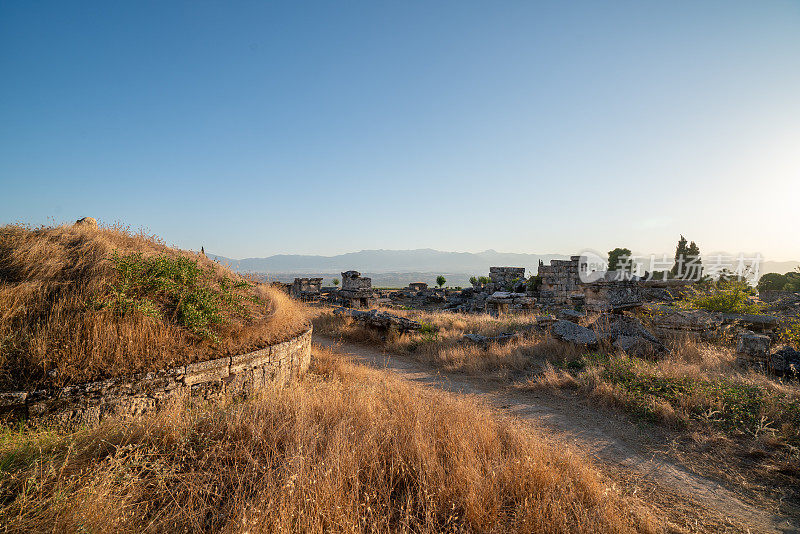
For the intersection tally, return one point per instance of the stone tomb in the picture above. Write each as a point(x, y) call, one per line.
point(306, 288)
point(357, 290)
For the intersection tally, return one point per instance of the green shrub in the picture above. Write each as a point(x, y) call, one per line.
point(731, 297)
point(177, 289)
point(789, 332)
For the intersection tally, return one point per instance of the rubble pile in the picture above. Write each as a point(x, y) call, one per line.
point(620, 331)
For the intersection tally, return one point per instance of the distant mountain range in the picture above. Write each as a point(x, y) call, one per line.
point(379, 261)
point(394, 268)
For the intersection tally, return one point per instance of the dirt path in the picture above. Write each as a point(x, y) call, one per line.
point(695, 503)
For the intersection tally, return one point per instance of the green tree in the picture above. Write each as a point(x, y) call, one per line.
point(440, 280)
point(792, 281)
point(680, 254)
point(694, 266)
point(473, 280)
point(772, 281)
point(687, 261)
point(483, 280)
point(335, 281)
point(616, 259)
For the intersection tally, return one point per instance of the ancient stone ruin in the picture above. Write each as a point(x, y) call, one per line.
point(417, 286)
point(306, 288)
point(507, 278)
point(561, 282)
point(356, 290)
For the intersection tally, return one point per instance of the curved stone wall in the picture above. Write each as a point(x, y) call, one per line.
point(90, 402)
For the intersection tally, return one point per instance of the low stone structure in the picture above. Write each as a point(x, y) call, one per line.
point(421, 298)
point(381, 320)
point(306, 288)
point(571, 332)
point(417, 286)
point(356, 290)
point(89, 403)
point(501, 302)
point(611, 296)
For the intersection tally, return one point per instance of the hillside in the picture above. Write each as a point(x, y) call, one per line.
point(80, 303)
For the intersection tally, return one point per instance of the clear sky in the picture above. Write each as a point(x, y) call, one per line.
point(255, 128)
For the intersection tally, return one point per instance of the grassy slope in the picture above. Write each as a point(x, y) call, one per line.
point(81, 303)
point(346, 450)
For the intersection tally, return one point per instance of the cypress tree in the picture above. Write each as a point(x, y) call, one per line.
point(680, 258)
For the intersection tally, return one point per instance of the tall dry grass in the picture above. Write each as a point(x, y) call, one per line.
point(51, 331)
point(735, 425)
point(346, 450)
point(446, 347)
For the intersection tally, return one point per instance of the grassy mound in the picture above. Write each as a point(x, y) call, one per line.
point(80, 303)
point(348, 449)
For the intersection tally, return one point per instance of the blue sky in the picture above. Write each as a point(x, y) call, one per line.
point(256, 128)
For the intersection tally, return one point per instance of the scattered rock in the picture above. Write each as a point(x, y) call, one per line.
point(611, 326)
point(627, 334)
point(571, 315)
point(752, 349)
point(572, 333)
point(785, 362)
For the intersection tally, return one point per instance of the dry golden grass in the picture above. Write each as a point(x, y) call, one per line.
point(445, 348)
point(749, 422)
point(346, 450)
point(51, 331)
point(743, 427)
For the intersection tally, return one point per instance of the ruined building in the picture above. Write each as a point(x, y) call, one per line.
point(356, 290)
point(505, 278)
point(563, 285)
point(561, 282)
point(306, 288)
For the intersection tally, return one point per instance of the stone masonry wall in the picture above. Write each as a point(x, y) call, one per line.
point(306, 287)
point(91, 402)
point(560, 281)
point(505, 277)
